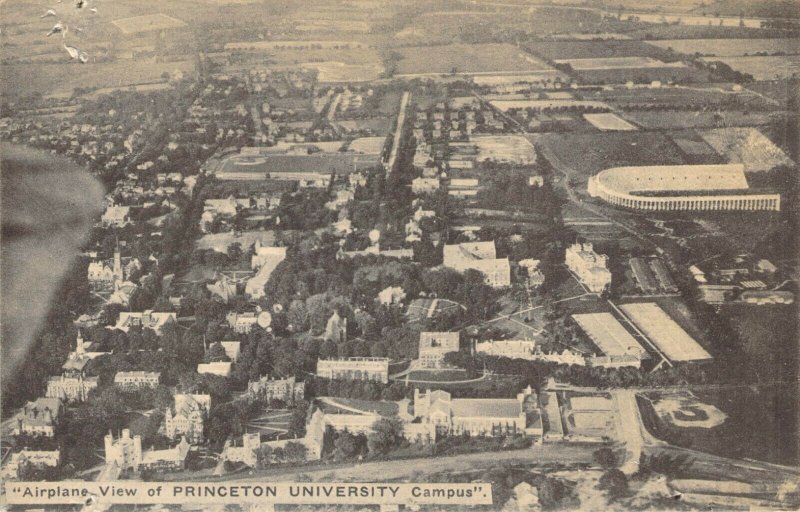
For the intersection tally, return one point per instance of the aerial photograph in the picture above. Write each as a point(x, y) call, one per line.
point(411, 255)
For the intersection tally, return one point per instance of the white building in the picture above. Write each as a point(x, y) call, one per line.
point(480, 256)
point(38, 459)
point(147, 320)
point(241, 323)
point(232, 349)
point(590, 267)
point(38, 418)
point(220, 368)
point(137, 379)
point(680, 187)
point(126, 454)
point(188, 417)
point(513, 349)
point(286, 390)
point(434, 345)
point(117, 216)
point(355, 368)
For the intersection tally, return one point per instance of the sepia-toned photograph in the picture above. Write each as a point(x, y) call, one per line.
point(409, 255)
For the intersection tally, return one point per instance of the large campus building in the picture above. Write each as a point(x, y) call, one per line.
point(355, 368)
point(590, 267)
point(480, 256)
point(680, 187)
point(434, 345)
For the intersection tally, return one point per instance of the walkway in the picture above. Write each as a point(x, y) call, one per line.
point(398, 135)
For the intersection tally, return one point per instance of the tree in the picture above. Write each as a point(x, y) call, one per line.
point(295, 452)
point(387, 435)
point(216, 352)
point(345, 446)
point(605, 457)
point(263, 456)
point(615, 482)
point(235, 251)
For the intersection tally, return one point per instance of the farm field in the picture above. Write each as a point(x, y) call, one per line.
point(506, 105)
point(617, 63)
point(763, 68)
point(644, 75)
point(336, 71)
point(62, 79)
point(466, 58)
point(747, 146)
point(720, 95)
point(589, 153)
point(594, 49)
point(148, 23)
point(505, 148)
point(608, 122)
point(730, 47)
point(508, 79)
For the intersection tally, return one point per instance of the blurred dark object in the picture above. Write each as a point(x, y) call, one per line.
point(48, 207)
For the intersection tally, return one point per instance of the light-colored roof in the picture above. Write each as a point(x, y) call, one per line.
point(221, 368)
point(674, 178)
point(662, 330)
point(485, 408)
point(609, 335)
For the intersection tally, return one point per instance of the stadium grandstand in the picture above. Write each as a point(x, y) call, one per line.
point(680, 187)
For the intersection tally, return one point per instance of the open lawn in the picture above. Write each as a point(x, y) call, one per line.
point(466, 59)
point(686, 119)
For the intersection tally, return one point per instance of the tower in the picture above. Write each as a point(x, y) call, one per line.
point(118, 275)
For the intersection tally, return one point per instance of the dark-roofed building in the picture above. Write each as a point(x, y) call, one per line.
point(39, 418)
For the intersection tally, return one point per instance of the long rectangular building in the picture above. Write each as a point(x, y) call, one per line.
point(609, 335)
point(664, 332)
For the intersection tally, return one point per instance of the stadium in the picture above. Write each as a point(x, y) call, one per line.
point(680, 187)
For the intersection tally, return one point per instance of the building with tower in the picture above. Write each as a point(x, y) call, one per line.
point(187, 417)
point(590, 268)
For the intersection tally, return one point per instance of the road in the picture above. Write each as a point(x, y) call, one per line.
point(631, 429)
point(404, 469)
point(398, 135)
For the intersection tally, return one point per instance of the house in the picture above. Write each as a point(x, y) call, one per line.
point(434, 345)
point(117, 216)
point(241, 323)
point(590, 267)
point(220, 368)
point(187, 417)
point(766, 266)
point(286, 390)
point(147, 319)
point(37, 459)
point(137, 379)
point(424, 185)
point(480, 256)
point(39, 418)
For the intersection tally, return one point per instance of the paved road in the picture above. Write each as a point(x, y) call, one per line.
point(401, 120)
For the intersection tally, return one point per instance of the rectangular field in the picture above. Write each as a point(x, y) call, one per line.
point(617, 63)
point(506, 105)
point(762, 68)
point(147, 23)
point(730, 47)
point(609, 122)
point(593, 49)
point(505, 148)
point(466, 59)
point(662, 330)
